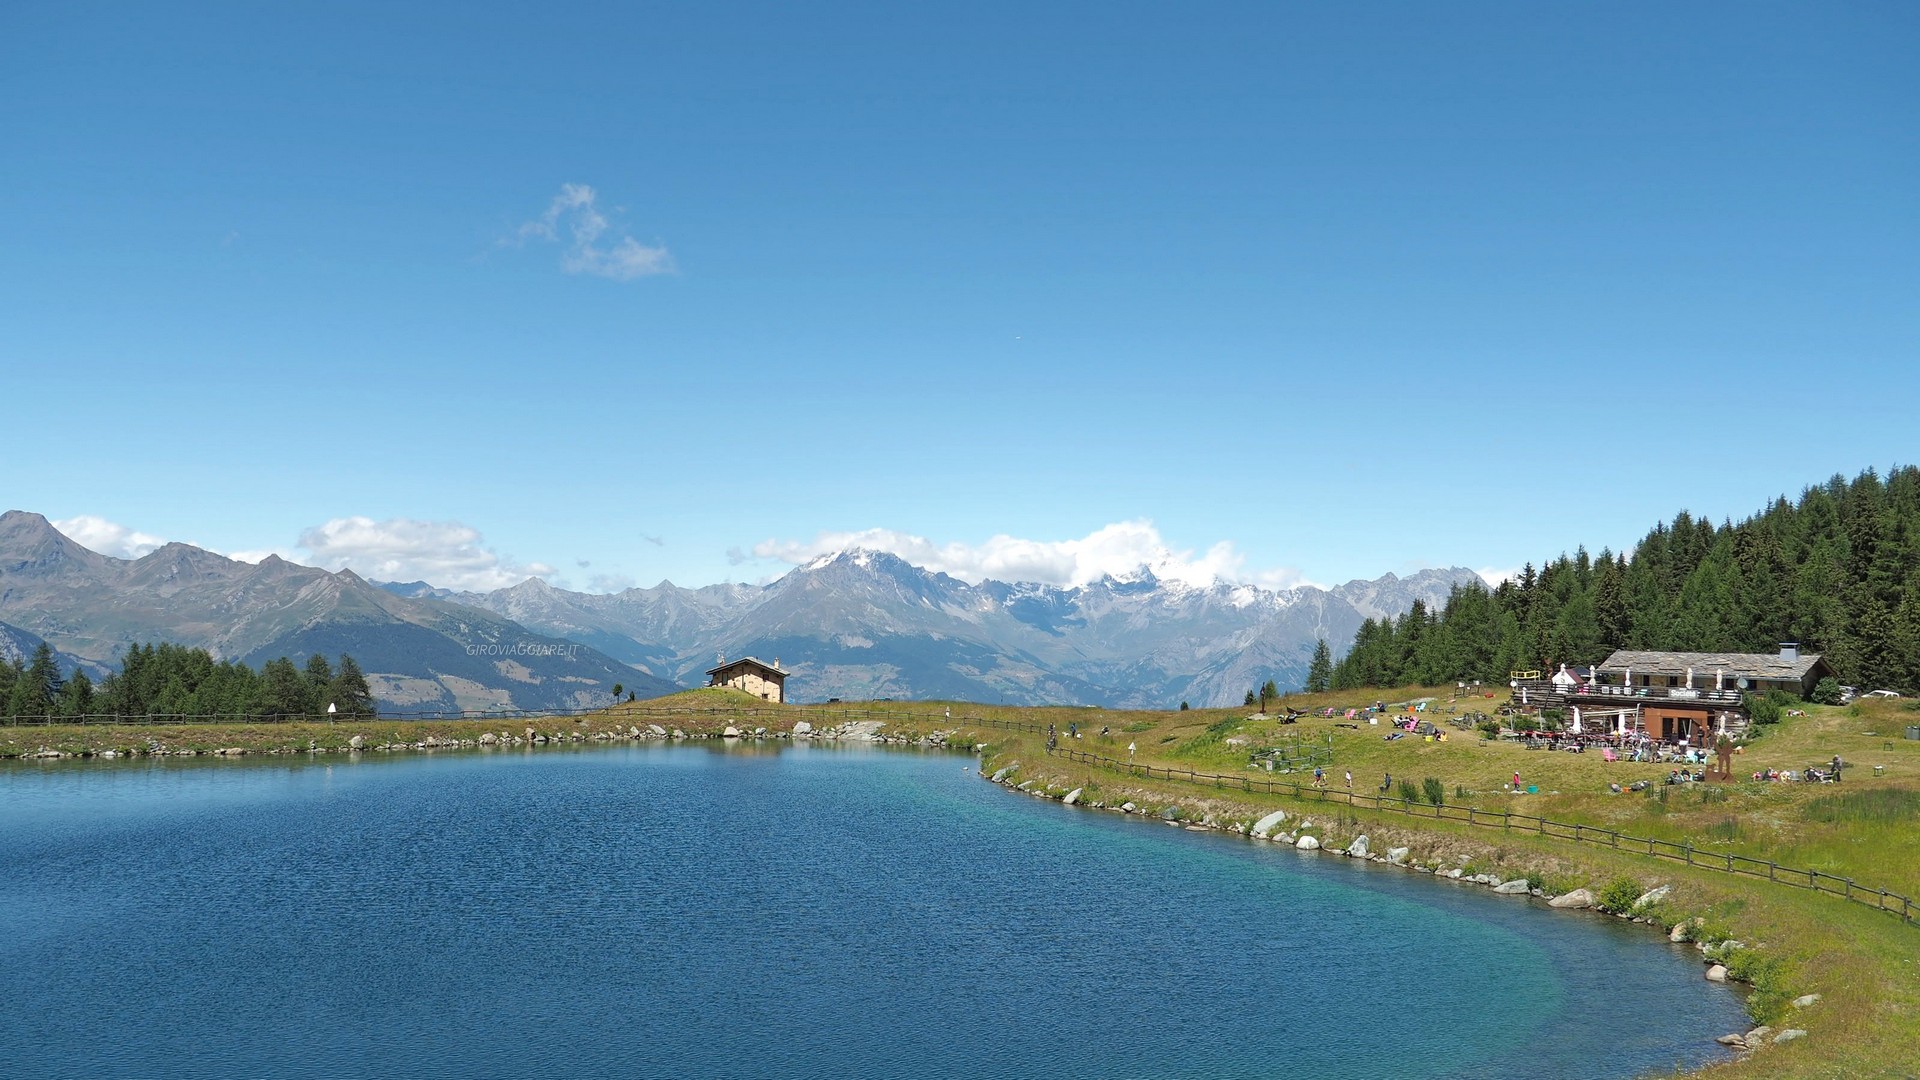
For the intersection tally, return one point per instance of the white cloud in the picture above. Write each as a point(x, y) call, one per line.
point(261, 555)
point(1119, 549)
point(443, 553)
point(1493, 577)
point(106, 537)
point(594, 245)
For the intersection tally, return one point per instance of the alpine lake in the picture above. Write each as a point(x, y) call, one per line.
point(724, 910)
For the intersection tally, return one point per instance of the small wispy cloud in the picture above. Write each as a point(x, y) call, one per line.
point(108, 537)
point(594, 245)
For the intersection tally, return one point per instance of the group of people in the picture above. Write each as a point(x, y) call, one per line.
point(1320, 778)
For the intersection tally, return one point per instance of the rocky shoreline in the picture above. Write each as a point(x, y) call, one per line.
point(1303, 834)
point(865, 731)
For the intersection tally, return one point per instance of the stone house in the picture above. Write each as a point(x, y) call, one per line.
point(762, 680)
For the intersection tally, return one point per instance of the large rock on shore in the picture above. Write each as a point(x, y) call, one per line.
point(1072, 797)
point(358, 742)
point(1307, 843)
point(1512, 888)
point(1653, 896)
point(1269, 823)
point(1358, 849)
point(1578, 898)
point(1717, 973)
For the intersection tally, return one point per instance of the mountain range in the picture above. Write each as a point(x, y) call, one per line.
point(867, 624)
point(418, 653)
point(852, 625)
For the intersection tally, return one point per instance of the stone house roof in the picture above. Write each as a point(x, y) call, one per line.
point(749, 661)
point(1750, 665)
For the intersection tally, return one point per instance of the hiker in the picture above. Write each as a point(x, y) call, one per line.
point(1516, 781)
point(1129, 752)
point(1387, 783)
point(1319, 778)
point(1349, 779)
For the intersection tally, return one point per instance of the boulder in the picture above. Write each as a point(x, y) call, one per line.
point(1756, 1036)
point(802, 728)
point(1518, 886)
point(1358, 849)
point(1578, 898)
point(1171, 813)
point(1653, 896)
point(1738, 1042)
point(1267, 824)
point(730, 733)
point(1397, 855)
point(1127, 808)
point(1805, 1000)
point(488, 738)
point(1072, 797)
point(1789, 1035)
point(1717, 973)
point(1001, 774)
point(358, 742)
point(1307, 843)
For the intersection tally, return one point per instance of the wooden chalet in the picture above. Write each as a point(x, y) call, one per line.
point(1673, 696)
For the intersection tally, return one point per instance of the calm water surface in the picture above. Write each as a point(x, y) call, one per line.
point(816, 912)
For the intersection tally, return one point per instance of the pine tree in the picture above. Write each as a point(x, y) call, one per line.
point(319, 675)
point(1320, 672)
point(76, 698)
point(349, 693)
point(37, 689)
point(283, 690)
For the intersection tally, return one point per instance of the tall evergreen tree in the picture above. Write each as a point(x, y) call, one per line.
point(349, 692)
point(1320, 672)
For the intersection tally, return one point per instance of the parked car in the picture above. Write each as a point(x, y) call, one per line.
point(1880, 693)
point(1848, 693)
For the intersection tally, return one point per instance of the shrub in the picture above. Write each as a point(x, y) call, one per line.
point(1617, 896)
point(1489, 729)
point(1409, 793)
point(1435, 791)
point(1826, 692)
point(1763, 709)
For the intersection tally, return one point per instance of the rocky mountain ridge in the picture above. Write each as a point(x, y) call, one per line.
point(418, 653)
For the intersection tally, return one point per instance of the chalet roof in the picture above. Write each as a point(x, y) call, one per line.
point(748, 661)
point(1751, 665)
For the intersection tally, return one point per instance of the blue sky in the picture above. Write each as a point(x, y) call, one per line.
point(1274, 292)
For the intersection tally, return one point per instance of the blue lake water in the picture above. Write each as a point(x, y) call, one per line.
point(817, 912)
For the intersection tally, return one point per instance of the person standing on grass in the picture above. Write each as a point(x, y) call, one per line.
point(1349, 779)
point(1319, 778)
point(1516, 781)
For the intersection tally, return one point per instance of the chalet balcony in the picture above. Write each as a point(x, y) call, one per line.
point(1544, 692)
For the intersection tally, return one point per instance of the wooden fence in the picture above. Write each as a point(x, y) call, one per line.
point(1725, 862)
